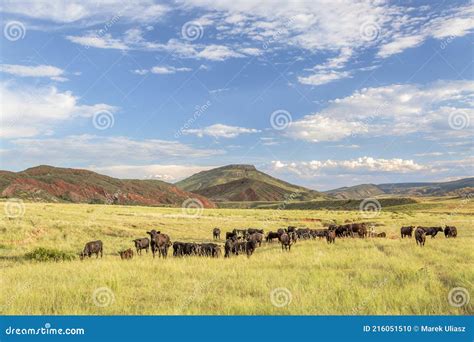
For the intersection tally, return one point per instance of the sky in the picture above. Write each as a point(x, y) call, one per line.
point(322, 94)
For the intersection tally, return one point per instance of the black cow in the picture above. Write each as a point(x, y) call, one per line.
point(331, 236)
point(216, 233)
point(420, 236)
point(406, 231)
point(230, 235)
point(251, 231)
point(229, 246)
point(450, 231)
point(209, 249)
point(432, 231)
point(320, 233)
point(271, 236)
point(256, 237)
point(291, 229)
point(178, 248)
point(159, 242)
point(247, 247)
point(286, 242)
point(142, 243)
point(92, 247)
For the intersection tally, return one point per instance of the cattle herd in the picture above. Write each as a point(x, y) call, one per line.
point(245, 241)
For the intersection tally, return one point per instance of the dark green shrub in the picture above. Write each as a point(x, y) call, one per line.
point(49, 254)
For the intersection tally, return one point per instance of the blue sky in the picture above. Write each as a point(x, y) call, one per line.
point(319, 94)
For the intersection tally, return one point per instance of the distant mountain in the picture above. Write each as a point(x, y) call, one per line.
point(54, 184)
point(244, 183)
point(356, 192)
point(459, 187)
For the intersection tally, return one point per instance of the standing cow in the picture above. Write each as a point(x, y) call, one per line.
point(216, 234)
point(286, 242)
point(142, 243)
point(420, 236)
point(406, 231)
point(159, 242)
point(450, 231)
point(92, 247)
point(331, 236)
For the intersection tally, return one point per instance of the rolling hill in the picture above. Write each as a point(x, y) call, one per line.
point(54, 184)
point(460, 187)
point(244, 183)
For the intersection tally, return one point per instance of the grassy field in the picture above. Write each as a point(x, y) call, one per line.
point(353, 276)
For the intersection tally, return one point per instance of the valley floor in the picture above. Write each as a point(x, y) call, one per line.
point(353, 276)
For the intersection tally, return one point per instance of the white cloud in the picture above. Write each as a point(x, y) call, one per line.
point(99, 151)
point(29, 111)
point(87, 12)
point(323, 77)
point(360, 165)
point(102, 42)
point(167, 70)
point(220, 131)
point(167, 173)
point(33, 71)
point(390, 110)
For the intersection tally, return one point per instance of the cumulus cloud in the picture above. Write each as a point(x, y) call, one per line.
point(161, 70)
point(360, 165)
point(29, 111)
point(220, 131)
point(33, 71)
point(167, 173)
point(397, 109)
point(99, 150)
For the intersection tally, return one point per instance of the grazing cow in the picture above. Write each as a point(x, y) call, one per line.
point(271, 236)
point(92, 247)
point(247, 247)
point(381, 235)
point(432, 231)
point(420, 236)
point(256, 237)
point(450, 231)
point(209, 249)
point(407, 231)
point(142, 243)
point(159, 242)
point(216, 233)
point(320, 233)
point(286, 242)
point(331, 236)
point(230, 235)
point(126, 254)
point(303, 233)
point(229, 246)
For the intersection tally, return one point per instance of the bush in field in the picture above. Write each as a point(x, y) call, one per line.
point(49, 254)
